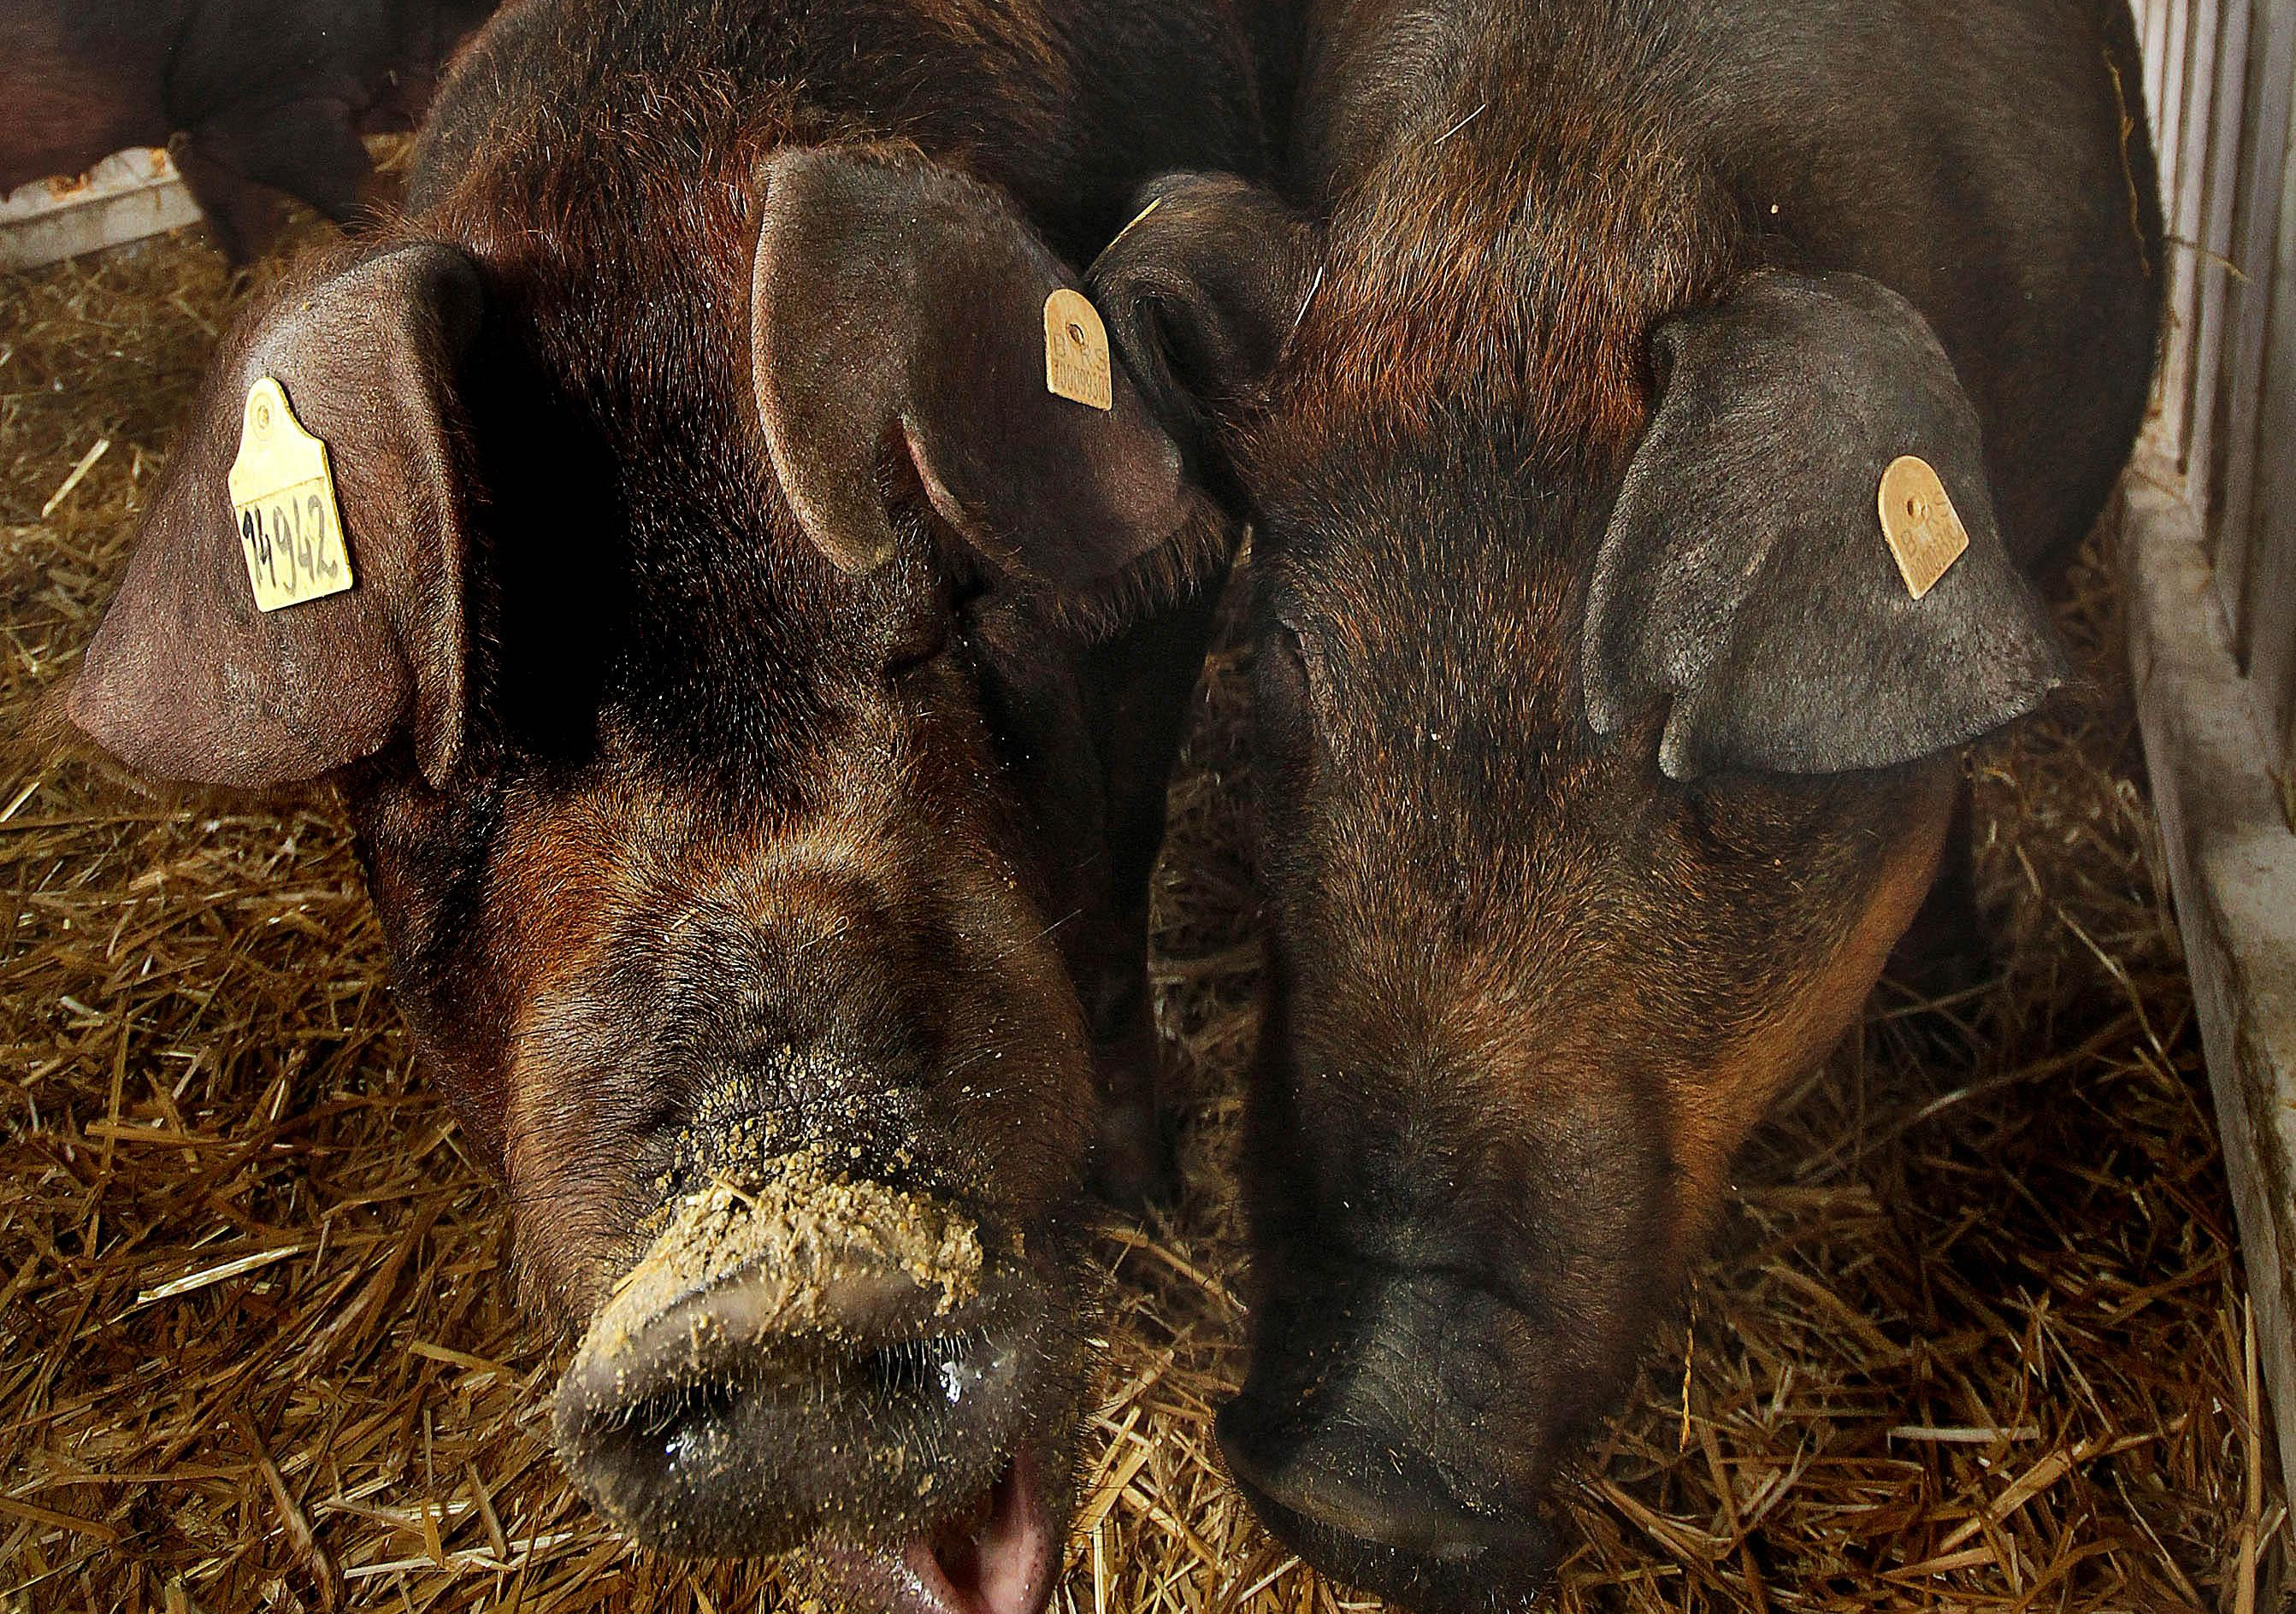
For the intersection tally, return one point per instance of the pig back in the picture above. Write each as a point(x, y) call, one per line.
point(80, 81)
point(1068, 108)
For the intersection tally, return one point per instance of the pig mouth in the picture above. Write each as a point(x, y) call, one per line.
point(838, 1371)
point(998, 1554)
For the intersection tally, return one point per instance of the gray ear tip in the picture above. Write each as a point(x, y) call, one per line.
point(1684, 753)
point(858, 560)
point(78, 700)
point(2054, 673)
point(438, 760)
point(95, 693)
point(1598, 686)
point(2048, 664)
point(1603, 715)
point(93, 707)
point(853, 533)
point(85, 711)
point(2056, 666)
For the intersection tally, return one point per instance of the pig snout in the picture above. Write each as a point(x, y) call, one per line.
point(838, 1363)
point(1384, 1438)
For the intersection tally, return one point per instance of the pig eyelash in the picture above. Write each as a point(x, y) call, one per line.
point(1284, 695)
point(664, 1412)
point(931, 650)
point(916, 1366)
point(954, 626)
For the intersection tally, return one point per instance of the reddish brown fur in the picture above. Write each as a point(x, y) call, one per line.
point(1527, 990)
point(265, 96)
point(696, 852)
point(577, 880)
point(1510, 275)
point(69, 113)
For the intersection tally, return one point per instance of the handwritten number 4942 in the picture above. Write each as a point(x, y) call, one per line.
point(294, 539)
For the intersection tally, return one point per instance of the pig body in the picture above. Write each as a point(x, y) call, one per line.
point(1603, 752)
point(754, 718)
point(269, 95)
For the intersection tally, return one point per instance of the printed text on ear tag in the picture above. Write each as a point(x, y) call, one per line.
point(282, 496)
point(1076, 350)
point(1925, 530)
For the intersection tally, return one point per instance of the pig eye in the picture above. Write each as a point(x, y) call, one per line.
point(928, 644)
point(931, 633)
point(1282, 702)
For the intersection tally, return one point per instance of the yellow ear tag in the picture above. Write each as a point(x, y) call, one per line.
point(1076, 350)
point(1925, 530)
point(282, 496)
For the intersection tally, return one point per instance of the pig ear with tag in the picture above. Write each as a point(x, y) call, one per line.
point(187, 678)
point(900, 306)
point(1753, 576)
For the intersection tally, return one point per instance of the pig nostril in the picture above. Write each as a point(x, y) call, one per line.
point(900, 1370)
point(683, 1405)
point(800, 1352)
point(948, 1368)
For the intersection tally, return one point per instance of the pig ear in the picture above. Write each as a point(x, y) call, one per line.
point(1745, 575)
point(896, 306)
point(1202, 288)
point(186, 678)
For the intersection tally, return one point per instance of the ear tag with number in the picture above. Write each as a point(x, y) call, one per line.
point(1076, 350)
point(1918, 519)
point(282, 496)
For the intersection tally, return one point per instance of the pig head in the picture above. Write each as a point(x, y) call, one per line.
point(747, 715)
point(1603, 750)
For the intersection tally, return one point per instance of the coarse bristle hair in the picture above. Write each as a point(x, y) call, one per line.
point(1974, 1334)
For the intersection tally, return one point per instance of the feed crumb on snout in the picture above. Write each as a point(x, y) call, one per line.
point(794, 1236)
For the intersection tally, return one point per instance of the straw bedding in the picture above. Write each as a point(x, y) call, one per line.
point(1972, 1336)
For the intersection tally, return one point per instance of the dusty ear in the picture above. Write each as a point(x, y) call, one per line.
point(1202, 289)
point(900, 306)
point(1744, 573)
point(186, 678)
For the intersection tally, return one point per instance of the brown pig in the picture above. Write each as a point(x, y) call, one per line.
point(1605, 748)
point(753, 698)
point(267, 96)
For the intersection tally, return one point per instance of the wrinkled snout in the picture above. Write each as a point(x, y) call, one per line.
point(821, 1363)
point(1386, 1438)
point(1376, 1516)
